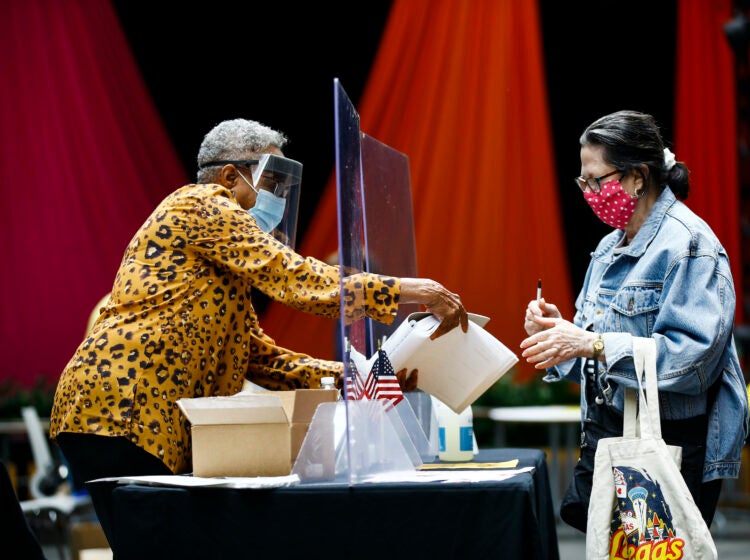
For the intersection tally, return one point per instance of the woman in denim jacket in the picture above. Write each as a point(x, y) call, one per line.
point(662, 273)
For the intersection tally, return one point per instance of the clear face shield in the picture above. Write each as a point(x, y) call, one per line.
point(280, 177)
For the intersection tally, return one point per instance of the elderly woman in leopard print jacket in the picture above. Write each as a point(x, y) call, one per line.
point(180, 321)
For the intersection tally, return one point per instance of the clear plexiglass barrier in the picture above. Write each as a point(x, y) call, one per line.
point(374, 428)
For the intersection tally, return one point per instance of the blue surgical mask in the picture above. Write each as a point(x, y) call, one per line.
point(268, 209)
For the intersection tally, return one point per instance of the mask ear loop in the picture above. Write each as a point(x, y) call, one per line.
point(245, 179)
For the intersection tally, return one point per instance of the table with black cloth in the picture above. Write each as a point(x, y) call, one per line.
point(506, 519)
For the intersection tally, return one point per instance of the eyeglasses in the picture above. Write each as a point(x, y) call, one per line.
point(594, 183)
point(271, 183)
point(242, 162)
point(268, 181)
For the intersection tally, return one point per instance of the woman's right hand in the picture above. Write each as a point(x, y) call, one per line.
point(439, 301)
point(536, 311)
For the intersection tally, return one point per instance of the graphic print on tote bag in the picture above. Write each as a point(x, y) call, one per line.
point(642, 523)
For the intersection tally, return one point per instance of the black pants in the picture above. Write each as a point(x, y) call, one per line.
point(601, 422)
point(91, 456)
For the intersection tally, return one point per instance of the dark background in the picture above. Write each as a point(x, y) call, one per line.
point(275, 63)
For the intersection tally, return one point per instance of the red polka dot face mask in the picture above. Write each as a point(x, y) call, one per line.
point(612, 204)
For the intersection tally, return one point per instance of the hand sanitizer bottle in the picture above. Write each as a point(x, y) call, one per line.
point(455, 434)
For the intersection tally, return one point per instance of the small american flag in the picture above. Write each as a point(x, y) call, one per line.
point(385, 382)
point(370, 383)
point(354, 388)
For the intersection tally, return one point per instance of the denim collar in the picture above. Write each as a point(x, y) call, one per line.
point(650, 227)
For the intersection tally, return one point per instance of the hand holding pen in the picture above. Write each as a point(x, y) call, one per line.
point(552, 340)
point(539, 313)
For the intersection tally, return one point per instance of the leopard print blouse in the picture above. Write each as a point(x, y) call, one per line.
point(180, 323)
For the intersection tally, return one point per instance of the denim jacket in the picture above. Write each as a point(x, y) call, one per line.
point(671, 283)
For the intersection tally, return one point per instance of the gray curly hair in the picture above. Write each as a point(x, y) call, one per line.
point(232, 140)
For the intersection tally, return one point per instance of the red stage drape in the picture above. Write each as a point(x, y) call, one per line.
point(84, 159)
point(459, 87)
point(706, 122)
point(456, 86)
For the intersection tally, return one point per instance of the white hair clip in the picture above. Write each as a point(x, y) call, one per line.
point(669, 160)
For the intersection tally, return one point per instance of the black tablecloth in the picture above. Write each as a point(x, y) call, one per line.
point(503, 519)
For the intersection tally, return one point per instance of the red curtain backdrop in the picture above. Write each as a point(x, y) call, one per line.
point(706, 122)
point(456, 86)
point(84, 159)
point(459, 88)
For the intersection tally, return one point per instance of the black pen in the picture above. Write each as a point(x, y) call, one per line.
point(538, 290)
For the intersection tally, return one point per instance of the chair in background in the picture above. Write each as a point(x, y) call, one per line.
point(52, 502)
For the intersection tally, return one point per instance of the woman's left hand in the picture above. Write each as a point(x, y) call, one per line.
point(407, 381)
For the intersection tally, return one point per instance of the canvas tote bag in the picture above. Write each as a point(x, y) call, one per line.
point(640, 506)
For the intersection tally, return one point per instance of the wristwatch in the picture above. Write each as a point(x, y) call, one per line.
point(598, 346)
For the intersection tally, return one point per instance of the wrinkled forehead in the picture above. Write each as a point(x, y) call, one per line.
point(251, 155)
point(273, 150)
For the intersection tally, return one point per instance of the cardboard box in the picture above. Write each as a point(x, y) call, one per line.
point(251, 434)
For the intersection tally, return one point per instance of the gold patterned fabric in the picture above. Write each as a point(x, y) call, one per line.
point(180, 323)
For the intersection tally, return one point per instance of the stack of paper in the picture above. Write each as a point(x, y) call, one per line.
point(456, 367)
